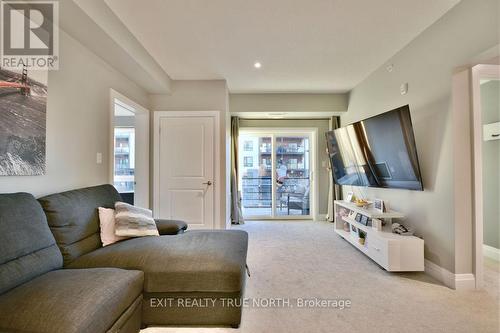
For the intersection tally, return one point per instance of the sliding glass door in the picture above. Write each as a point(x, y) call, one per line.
point(275, 170)
point(255, 171)
point(293, 175)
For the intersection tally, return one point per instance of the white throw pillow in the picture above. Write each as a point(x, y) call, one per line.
point(134, 221)
point(107, 223)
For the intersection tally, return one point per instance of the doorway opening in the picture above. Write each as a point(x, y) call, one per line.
point(277, 171)
point(129, 167)
point(486, 143)
point(124, 151)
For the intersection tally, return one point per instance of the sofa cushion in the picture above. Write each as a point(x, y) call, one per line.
point(74, 220)
point(70, 300)
point(107, 225)
point(195, 261)
point(27, 247)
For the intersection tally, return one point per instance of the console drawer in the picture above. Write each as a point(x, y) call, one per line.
point(378, 251)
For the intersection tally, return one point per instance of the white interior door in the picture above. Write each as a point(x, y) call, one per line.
point(186, 147)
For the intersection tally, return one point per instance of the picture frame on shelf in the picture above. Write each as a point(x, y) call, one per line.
point(349, 196)
point(354, 231)
point(377, 224)
point(364, 220)
point(378, 205)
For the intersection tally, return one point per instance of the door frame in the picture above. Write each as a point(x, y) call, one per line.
point(273, 132)
point(479, 72)
point(156, 157)
point(141, 139)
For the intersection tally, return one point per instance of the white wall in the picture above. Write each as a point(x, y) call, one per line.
point(192, 95)
point(95, 25)
point(307, 103)
point(77, 121)
point(427, 64)
point(205, 95)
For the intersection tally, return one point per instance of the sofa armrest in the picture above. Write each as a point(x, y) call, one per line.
point(170, 227)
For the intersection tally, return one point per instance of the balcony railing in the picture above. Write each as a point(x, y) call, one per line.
point(122, 150)
point(119, 171)
point(257, 191)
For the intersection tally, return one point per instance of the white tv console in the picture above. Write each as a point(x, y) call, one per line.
point(393, 252)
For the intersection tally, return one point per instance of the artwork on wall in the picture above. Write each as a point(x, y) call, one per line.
point(23, 105)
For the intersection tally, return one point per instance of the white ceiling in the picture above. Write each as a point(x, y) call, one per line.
point(303, 45)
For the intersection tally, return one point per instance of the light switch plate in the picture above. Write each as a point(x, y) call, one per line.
point(404, 88)
point(99, 158)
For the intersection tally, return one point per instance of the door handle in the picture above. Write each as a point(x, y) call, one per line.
point(207, 183)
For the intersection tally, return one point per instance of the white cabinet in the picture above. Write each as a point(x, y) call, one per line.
point(393, 252)
point(491, 131)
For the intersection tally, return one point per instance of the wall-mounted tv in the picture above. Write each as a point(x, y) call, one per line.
point(378, 152)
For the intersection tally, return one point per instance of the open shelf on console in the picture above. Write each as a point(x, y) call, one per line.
point(391, 251)
point(370, 212)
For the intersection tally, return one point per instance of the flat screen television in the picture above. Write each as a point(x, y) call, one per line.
point(377, 152)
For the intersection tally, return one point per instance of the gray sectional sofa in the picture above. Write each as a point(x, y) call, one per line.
point(56, 277)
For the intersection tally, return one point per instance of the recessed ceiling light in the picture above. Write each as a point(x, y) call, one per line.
point(257, 65)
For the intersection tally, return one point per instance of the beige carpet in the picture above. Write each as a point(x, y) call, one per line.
point(296, 259)
point(492, 277)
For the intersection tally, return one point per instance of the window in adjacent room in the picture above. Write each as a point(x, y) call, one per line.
point(248, 161)
point(248, 146)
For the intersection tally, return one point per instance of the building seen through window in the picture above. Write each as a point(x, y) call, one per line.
point(124, 159)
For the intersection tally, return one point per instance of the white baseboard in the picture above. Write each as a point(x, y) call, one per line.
point(491, 252)
point(321, 217)
point(449, 279)
point(465, 281)
point(439, 273)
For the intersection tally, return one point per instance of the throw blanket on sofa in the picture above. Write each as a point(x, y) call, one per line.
point(134, 221)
